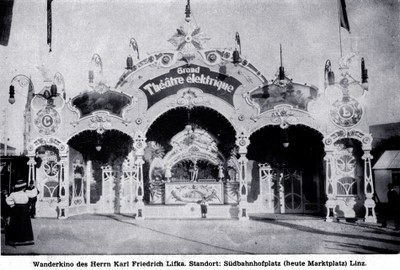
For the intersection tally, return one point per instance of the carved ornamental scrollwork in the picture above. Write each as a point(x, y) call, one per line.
point(139, 143)
point(190, 98)
point(242, 141)
point(100, 122)
point(62, 147)
point(283, 116)
point(365, 139)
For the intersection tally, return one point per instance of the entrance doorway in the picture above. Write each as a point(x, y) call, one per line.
point(287, 170)
point(282, 189)
point(103, 174)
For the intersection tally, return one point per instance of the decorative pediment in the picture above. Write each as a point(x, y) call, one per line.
point(111, 101)
point(268, 96)
point(364, 138)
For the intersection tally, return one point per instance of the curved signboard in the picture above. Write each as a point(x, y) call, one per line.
point(210, 82)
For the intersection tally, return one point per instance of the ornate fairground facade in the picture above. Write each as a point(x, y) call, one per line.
point(196, 122)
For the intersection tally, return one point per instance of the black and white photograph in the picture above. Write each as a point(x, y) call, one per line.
point(206, 134)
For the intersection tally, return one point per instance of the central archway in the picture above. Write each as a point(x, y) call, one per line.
point(189, 149)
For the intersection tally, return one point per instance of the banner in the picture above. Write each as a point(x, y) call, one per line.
point(210, 82)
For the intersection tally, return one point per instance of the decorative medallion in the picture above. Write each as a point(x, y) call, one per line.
point(47, 120)
point(139, 121)
point(100, 122)
point(188, 38)
point(346, 112)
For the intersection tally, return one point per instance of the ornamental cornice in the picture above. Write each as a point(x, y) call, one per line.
point(364, 138)
point(61, 146)
point(285, 115)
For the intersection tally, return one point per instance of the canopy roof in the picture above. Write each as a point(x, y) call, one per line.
point(389, 160)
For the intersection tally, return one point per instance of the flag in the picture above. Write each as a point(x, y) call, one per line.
point(6, 10)
point(49, 23)
point(344, 22)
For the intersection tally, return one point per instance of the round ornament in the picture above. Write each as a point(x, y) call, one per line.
point(346, 112)
point(47, 120)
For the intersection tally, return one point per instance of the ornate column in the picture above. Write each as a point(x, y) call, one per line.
point(32, 170)
point(281, 189)
point(267, 187)
point(63, 183)
point(242, 141)
point(330, 186)
point(89, 179)
point(139, 143)
point(369, 202)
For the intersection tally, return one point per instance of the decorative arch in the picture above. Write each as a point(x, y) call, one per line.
point(168, 59)
point(190, 98)
point(364, 138)
point(111, 101)
point(100, 121)
point(285, 115)
point(43, 141)
point(193, 144)
point(78, 132)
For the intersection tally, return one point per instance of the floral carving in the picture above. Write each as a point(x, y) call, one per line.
point(100, 123)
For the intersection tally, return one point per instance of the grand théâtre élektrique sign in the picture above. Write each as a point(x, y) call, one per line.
point(210, 82)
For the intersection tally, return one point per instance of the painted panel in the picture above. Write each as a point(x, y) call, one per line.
point(183, 193)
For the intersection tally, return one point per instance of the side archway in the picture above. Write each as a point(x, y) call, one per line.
point(337, 149)
point(286, 167)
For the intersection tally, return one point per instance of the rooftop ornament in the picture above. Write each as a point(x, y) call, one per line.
point(236, 59)
point(48, 93)
point(189, 37)
point(129, 59)
point(281, 80)
point(96, 64)
point(347, 79)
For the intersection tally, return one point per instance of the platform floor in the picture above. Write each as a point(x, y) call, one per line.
point(117, 234)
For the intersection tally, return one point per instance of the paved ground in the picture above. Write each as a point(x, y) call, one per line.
point(97, 234)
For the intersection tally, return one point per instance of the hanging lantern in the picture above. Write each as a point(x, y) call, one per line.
point(98, 145)
point(129, 63)
point(331, 78)
point(285, 139)
point(364, 75)
point(187, 11)
point(53, 90)
point(236, 57)
point(11, 99)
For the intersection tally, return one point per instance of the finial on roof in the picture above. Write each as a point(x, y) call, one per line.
point(188, 11)
point(281, 68)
